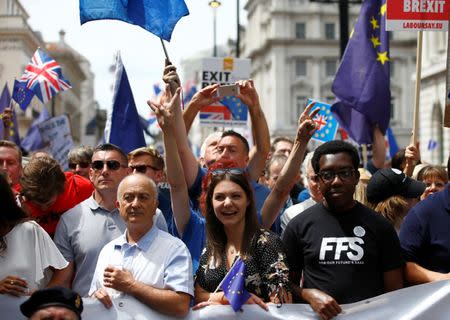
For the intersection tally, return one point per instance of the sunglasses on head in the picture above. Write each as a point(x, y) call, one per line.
point(110, 164)
point(82, 164)
point(222, 171)
point(143, 168)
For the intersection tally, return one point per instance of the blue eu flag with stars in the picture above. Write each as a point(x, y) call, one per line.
point(233, 285)
point(236, 107)
point(361, 85)
point(21, 94)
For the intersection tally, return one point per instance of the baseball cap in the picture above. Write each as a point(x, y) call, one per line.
point(50, 297)
point(386, 183)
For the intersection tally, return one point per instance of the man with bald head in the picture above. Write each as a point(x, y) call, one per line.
point(144, 262)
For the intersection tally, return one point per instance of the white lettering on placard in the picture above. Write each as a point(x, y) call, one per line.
point(433, 6)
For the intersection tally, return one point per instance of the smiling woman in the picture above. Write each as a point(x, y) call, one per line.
point(233, 232)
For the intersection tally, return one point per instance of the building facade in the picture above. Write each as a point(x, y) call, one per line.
point(18, 42)
point(294, 48)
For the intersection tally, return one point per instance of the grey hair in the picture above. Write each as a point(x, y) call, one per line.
point(304, 166)
point(81, 153)
point(216, 134)
point(133, 176)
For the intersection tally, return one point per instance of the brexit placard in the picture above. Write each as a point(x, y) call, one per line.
point(426, 15)
point(230, 111)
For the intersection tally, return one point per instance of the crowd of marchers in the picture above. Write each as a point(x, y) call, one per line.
point(310, 226)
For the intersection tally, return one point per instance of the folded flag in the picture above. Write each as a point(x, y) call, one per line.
point(156, 16)
point(233, 285)
point(43, 75)
point(123, 126)
point(21, 94)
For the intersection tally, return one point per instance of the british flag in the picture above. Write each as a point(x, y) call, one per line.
point(44, 77)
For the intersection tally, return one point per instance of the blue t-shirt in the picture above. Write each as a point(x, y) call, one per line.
point(424, 234)
point(194, 237)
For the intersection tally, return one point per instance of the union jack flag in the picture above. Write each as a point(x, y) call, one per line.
point(44, 77)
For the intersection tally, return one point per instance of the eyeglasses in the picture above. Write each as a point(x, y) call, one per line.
point(143, 168)
point(110, 164)
point(328, 175)
point(82, 164)
point(218, 172)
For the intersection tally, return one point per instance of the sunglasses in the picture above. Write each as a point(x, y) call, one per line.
point(143, 168)
point(235, 171)
point(81, 164)
point(110, 164)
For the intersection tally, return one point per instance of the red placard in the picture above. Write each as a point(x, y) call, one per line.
point(430, 15)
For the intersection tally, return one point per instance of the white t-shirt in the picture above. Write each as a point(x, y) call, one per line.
point(29, 253)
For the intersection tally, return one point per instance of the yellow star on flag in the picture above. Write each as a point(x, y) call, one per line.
point(374, 23)
point(383, 9)
point(382, 57)
point(376, 42)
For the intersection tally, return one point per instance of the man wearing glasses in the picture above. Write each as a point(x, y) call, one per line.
point(84, 230)
point(343, 251)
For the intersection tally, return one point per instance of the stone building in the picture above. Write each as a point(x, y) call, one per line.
point(18, 42)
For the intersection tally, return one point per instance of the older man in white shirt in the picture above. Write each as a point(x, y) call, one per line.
point(145, 262)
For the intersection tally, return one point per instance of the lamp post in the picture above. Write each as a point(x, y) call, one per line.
point(238, 36)
point(214, 5)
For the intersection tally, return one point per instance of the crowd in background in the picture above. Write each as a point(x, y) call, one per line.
point(308, 226)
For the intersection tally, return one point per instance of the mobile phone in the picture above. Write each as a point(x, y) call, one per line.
point(228, 90)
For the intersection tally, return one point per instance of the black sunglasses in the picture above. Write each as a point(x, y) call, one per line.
point(143, 168)
point(221, 171)
point(328, 176)
point(110, 164)
point(82, 164)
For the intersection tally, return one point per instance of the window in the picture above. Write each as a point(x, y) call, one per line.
point(300, 30)
point(329, 31)
point(300, 68)
point(392, 108)
point(330, 67)
point(300, 105)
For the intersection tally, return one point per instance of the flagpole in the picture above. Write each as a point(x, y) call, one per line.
point(417, 93)
point(447, 97)
point(165, 50)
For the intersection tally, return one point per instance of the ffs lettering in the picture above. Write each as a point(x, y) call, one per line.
point(350, 247)
point(436, 6)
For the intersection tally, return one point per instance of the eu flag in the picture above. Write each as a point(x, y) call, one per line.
point(233, 285)
point(21, 94)
point(33, 140)
point(5, 101)
point(362, 84)
point(156, 16)
point(123, 126)
point(236, 107)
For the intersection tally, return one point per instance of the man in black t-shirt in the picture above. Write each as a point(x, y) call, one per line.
point(346, 251)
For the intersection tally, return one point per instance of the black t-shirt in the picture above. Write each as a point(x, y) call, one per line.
point(343, 254)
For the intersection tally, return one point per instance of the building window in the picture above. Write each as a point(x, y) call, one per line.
point(330, 67)
point(300, 30)
point(392, 108)
point(330, 31)
point(300, 68)
point(300, 104)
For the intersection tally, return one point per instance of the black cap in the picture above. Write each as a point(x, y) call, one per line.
point(386, 183)
point(55, 296)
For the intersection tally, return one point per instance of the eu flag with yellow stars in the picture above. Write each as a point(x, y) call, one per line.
point(236, 107)
point(233, 285)
point(361, 85)
point(21, 94)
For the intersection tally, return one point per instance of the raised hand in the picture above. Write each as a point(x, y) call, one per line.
point(248, 93)
point(306, 124)
point(165, 113)
point(170, 76)
point(206, 96)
